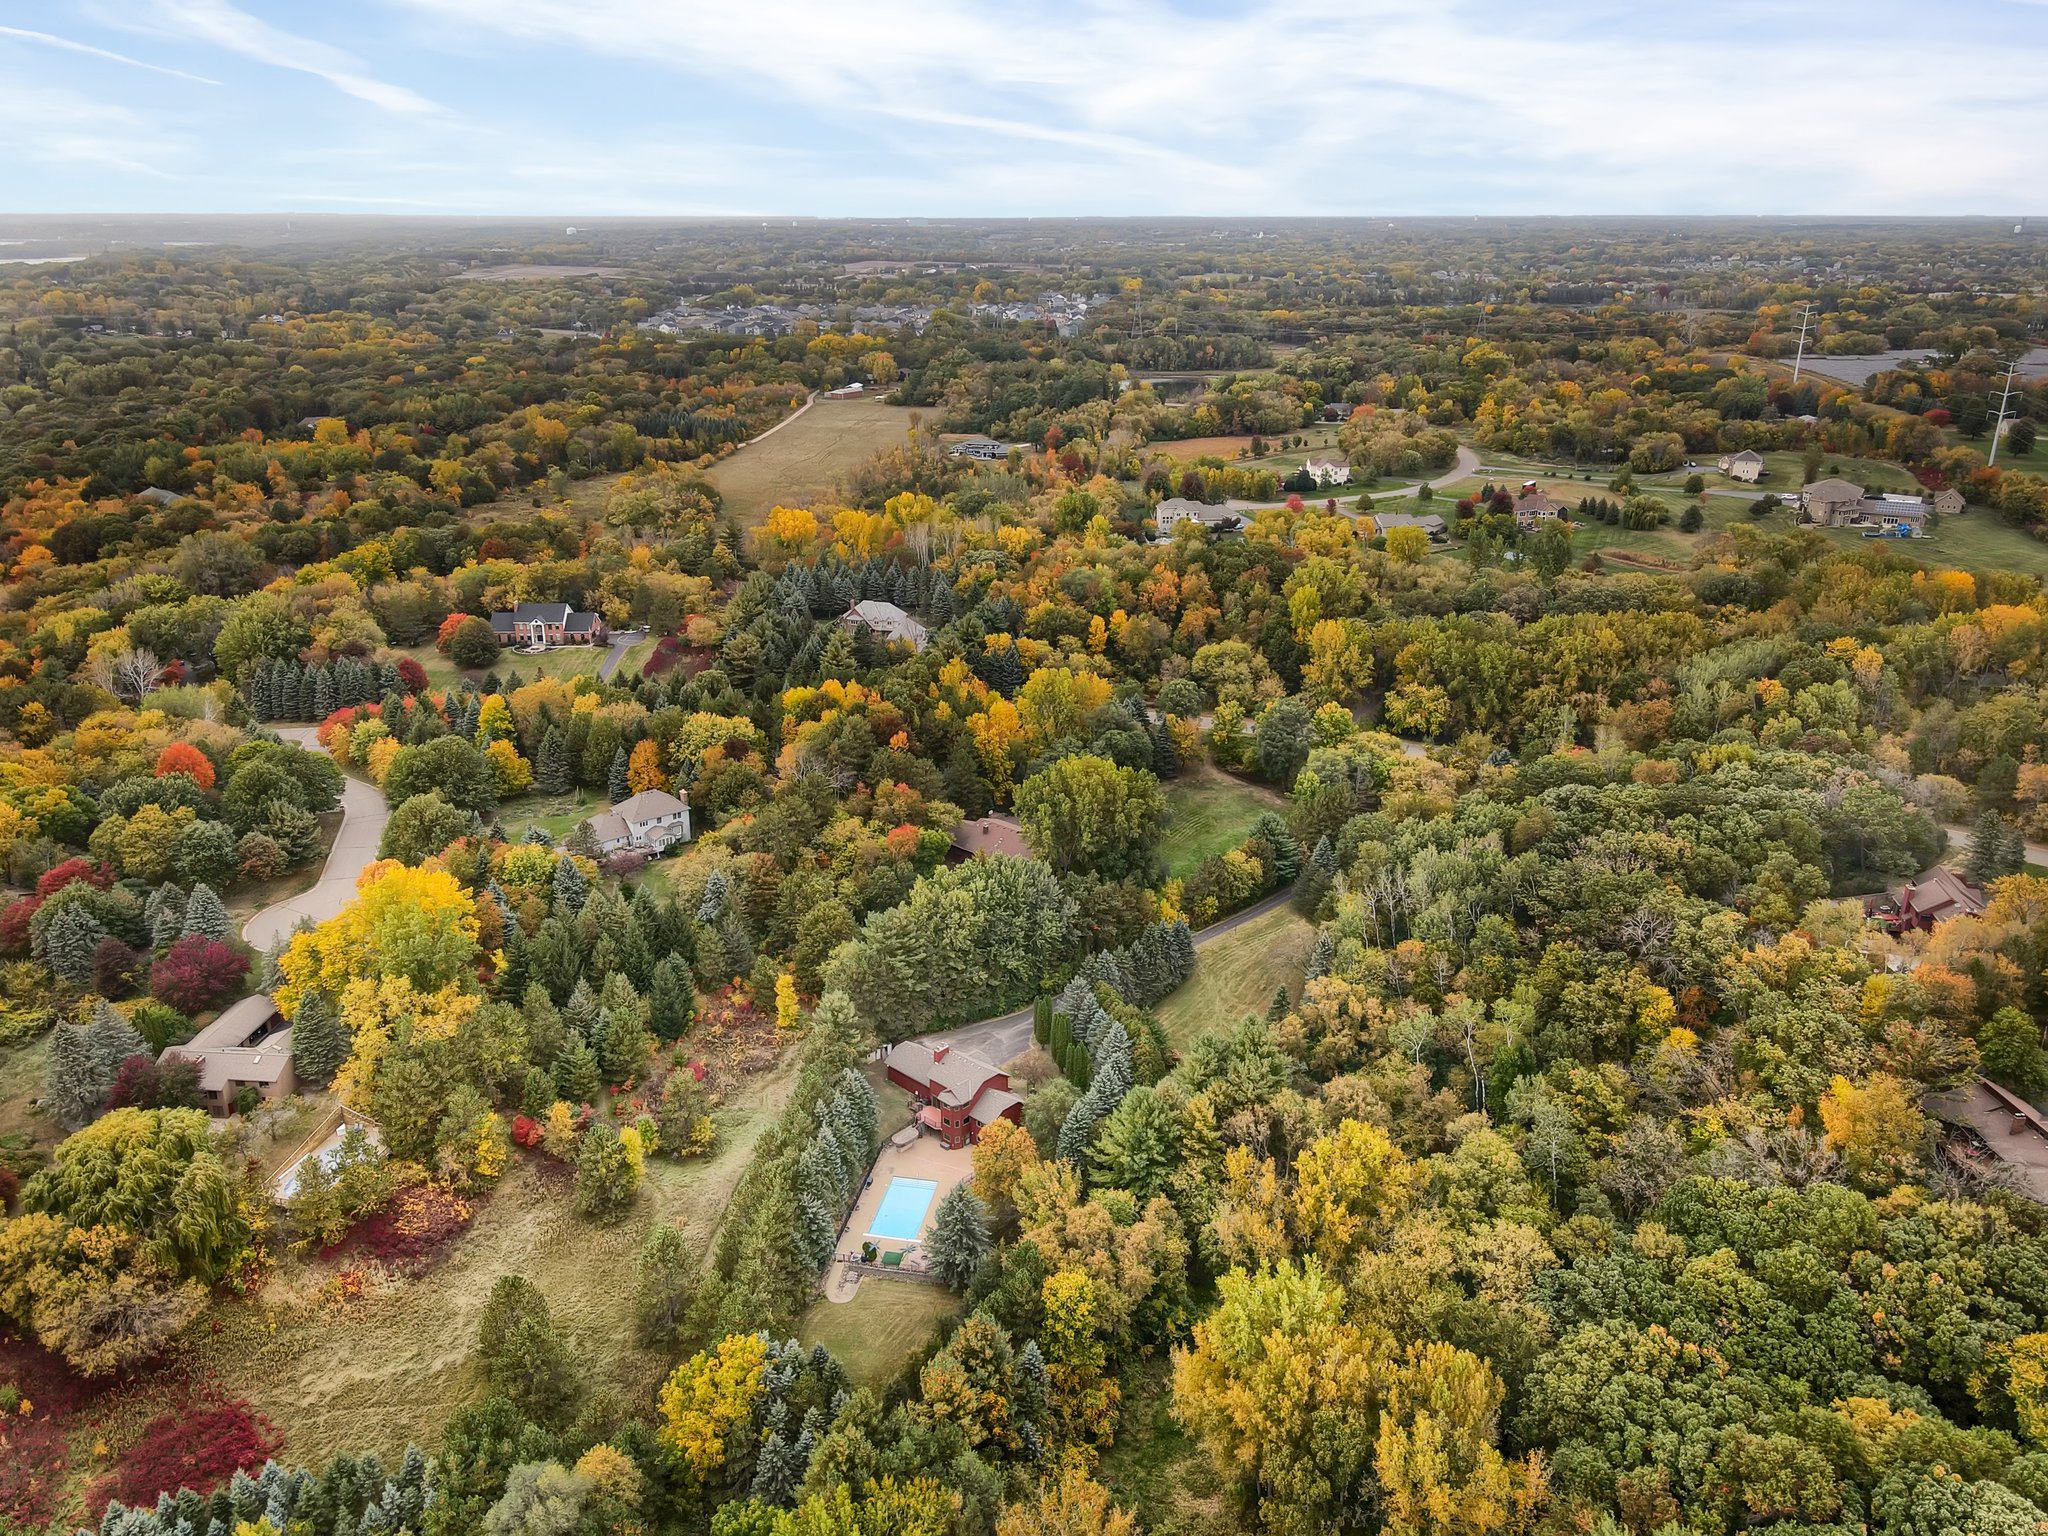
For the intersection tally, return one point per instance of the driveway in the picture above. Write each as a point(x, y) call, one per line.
point(363, 814)
point(621, 643)
point(1005, 1039)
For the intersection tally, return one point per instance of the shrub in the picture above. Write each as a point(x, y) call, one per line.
point(115, 968)
point(471, 643)
point(91, 871)
point(14, 929)
point(412, 675)
point(197, 973)
point(196, 1447)
point(183, 757)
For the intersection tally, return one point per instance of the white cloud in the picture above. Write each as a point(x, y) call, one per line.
point(51, 40)
point(53, 126)
point(1369, 105)
point(217, 22)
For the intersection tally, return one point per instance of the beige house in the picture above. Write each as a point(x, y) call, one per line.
point(1950, 503)
point(886, 620)
point(1831, 503)
point(1746, 466)
point(248, 1046)
point(1329, 471)
point(1533, 509)
point(650, 822)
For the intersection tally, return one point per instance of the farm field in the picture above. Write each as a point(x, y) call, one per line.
point(886, 1323)
point(802, 462)
point(1238, 974)
point(1211, 813)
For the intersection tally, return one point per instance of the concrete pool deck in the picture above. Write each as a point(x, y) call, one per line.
point(924, 1158)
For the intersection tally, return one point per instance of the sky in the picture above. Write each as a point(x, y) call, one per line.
point(1024, 107)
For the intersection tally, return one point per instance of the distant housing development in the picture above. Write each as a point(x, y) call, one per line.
point(548, 624)
point(248, 1046)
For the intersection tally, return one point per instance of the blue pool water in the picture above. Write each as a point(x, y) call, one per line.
point(901, 1214)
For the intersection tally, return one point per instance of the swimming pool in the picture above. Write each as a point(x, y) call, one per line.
point(900, 1216)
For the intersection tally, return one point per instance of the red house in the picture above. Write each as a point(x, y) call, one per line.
point(957, 1093)
point(1937, 896)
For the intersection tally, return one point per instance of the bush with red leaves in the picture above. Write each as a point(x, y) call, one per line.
point(419, 1220)
point(141, 1082)
point(197, 973)
point(34, 1447)
point(412, 674)
point(199, 1447)
point(14, 925)
point(10, 1186)
point(527, 1131)
point(183, 757)
point(91, 871)
point(115, 968)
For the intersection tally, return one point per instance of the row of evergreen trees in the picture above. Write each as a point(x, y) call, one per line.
point(291, 690)
point(830, 1169)
point(348, 1497)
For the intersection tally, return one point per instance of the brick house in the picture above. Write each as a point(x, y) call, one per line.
point(548, 624)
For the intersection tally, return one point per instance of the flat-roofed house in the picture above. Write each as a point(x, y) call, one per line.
point(652, 821)
point(1746, 465)
point(987, 449)
point(1175, 510)
point(957, 1093)
point(248, 1046)
point(547, 624)
point(886, 620)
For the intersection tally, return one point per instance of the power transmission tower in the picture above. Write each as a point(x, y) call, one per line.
point(1998, 422)
point(1805, 318)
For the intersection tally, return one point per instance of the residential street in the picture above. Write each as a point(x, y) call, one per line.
point(363, 815)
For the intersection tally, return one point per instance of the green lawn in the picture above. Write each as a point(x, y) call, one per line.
point(555, 815)
point(1211, 813)
point(567, 661)
point(1238, 974)
point(1154, 1466)
point(887, 1322)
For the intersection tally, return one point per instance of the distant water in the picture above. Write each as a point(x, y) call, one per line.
point(36, 261)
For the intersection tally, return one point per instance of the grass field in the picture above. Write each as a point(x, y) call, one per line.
point(1212, 812)
point(565, 661)
point(886, 1323)
point(555, 815)
point(387, 1369)
point(1155, 1467)
point(802, 463)
point(1238, 974)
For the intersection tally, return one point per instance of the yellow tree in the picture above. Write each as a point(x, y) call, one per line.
point(643, 768)
point(1438, 1468)
point(1876, 1127)
point(1284, 1395)
point(407, 921)
point(1002, 1155)
point(1083, 1395)
point(1075, 1505)
point(1350, 1187)
point(709, 1396)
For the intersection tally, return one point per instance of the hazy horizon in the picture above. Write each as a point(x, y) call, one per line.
point(542, 108)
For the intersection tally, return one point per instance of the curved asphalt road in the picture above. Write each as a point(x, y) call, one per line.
point(1004, 1039)
point(363, 814)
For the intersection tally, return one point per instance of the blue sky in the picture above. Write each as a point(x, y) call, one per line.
point(980, 107)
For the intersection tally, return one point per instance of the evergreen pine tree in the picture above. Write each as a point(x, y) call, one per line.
point(671, 998)
point(623, 1044)
point(205, 915)
point(551, 764)
point(1286, 851)
point(68, 943)
point(575, 1073)
point(537, 1094)
point(1110, 1081)
point(261, 702)
point(581, 1013)
point(959, 1237)
point(319, 1043)
point(323, 693)
point(72, 1090)
point(617, 786)
point(1322, 956)
point(571, 886)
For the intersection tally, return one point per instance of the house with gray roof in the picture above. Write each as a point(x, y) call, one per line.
point(652, 821)
point(548, 624)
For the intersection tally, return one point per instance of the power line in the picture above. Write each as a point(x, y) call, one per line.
point(1805, 318)
point(2004, 400)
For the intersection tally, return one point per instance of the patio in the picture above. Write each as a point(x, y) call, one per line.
point(923, 1158)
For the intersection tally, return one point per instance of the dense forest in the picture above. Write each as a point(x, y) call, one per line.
point(1587, 1163)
